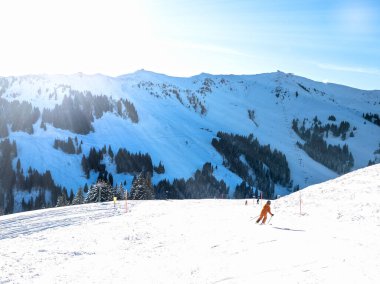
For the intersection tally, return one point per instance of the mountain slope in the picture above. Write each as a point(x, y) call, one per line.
point(335, 239)
point(177, 118)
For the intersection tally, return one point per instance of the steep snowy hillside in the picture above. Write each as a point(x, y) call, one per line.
point(335, 239)
point(175, 120)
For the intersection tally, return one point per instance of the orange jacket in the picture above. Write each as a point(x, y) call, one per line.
point(265, 210)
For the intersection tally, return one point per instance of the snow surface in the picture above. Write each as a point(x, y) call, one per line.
point(333, 238)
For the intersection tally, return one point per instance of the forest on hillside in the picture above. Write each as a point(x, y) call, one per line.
point(17, 180)
point(258, 165)
point(75, 113)
point(335, 157)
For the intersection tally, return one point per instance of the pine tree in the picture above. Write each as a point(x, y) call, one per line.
point(85, 189)
point(69, 147)
point(3, 127)
point(62, 199)
point(18, 165)
point(119, 192)
point(160, 169)
point(110, 179)
point(105, 190)
point(142, 188)
point(110, 152)
point(23, 205)
point(243, 191)
point(71, 196)
point(79, 197)
point(85, 166)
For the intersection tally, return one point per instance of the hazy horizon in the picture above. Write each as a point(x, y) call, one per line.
point(325, 41)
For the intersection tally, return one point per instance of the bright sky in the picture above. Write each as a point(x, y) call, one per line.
point(331, 41)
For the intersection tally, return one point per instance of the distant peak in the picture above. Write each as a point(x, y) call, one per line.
point(205, 74)
point(143, 74)
point(143, 71)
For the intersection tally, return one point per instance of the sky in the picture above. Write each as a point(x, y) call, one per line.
point(329, 41)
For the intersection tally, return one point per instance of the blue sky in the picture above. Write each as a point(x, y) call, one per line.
point(330, 41)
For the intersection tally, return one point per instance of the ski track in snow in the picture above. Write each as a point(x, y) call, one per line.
point(40, 220)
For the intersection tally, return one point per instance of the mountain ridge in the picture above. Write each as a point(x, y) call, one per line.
point(177, 118)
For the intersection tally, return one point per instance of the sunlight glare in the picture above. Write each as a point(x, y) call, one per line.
point(72, 36)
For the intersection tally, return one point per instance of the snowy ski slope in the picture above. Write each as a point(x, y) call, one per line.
point(335, 239)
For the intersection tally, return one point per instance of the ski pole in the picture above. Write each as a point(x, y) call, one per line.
point(270, 219)
point(252, 218)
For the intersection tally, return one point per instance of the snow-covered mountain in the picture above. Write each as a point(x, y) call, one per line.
point(174, 121)
point(334, 239)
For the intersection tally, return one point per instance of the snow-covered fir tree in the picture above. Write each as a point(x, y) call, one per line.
point(62, 200)
point(142, 187)
point(79, 197)
point(104, 188)
point(119, 192)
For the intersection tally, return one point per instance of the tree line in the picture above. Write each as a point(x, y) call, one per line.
point(258, 165)
point(318, 128)
point(76, 113)
point(16, 180)
point(374, 118)
point(20, 117)
point(202, 184)
point(125, 161)
point(78, 110)
point(337, 158)
point(68, 147)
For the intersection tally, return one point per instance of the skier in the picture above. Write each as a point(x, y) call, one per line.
point(264, 212)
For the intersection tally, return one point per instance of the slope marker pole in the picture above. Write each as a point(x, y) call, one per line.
point(126, 201)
